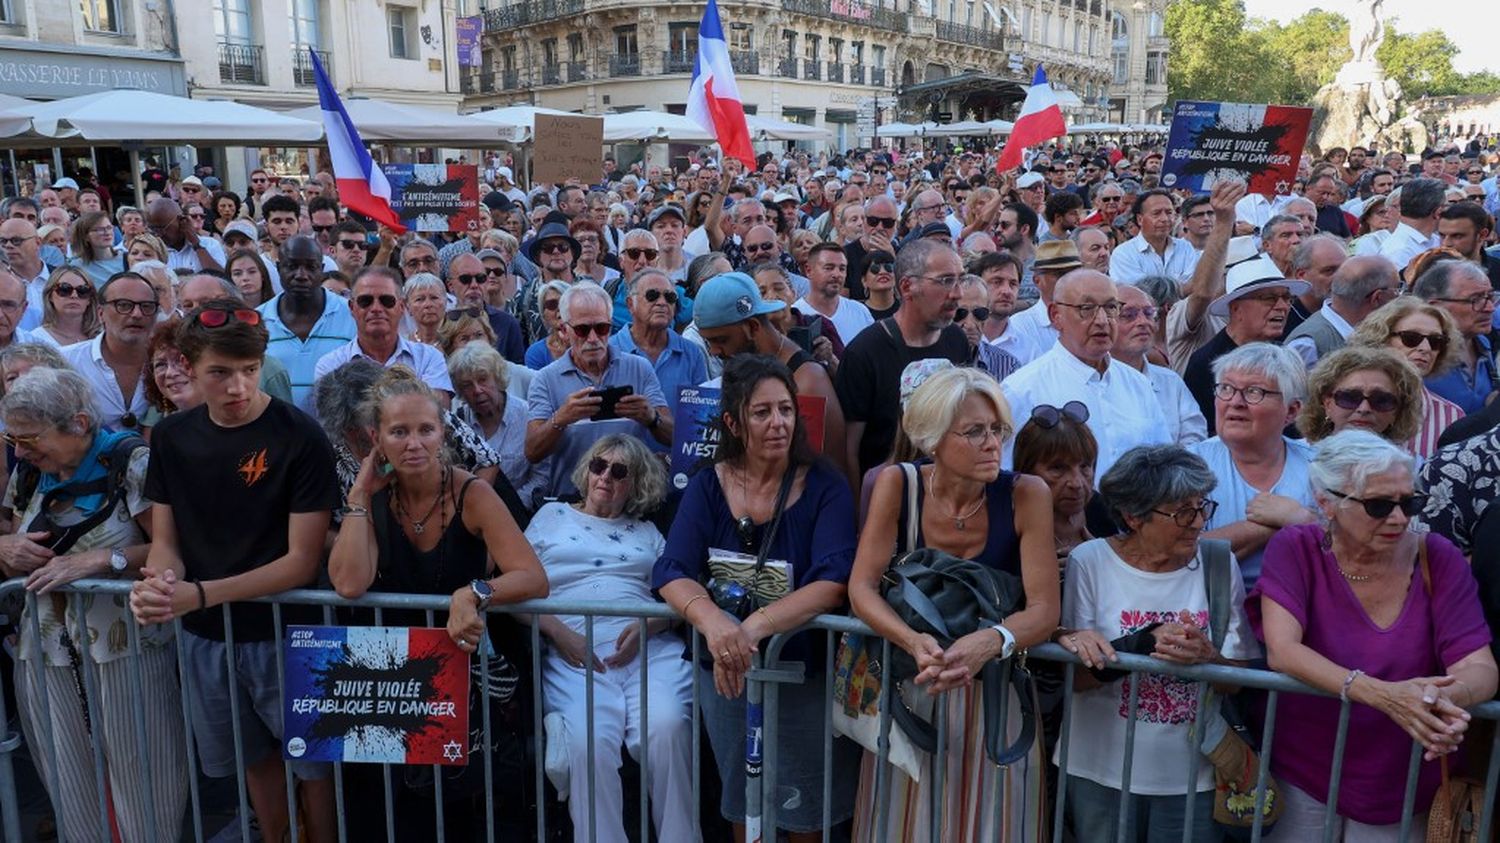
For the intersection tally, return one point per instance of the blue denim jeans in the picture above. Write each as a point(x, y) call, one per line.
point(1095, 811)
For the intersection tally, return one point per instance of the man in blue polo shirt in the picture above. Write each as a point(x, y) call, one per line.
point(653, 306)
point(305, 322)
point(565, 396)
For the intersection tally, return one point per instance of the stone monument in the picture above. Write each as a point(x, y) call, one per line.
point(1361, 106)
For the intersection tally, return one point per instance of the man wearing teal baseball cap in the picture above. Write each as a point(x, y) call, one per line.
point(733, 319)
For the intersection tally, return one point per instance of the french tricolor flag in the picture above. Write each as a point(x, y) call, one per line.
point(362, 185)
point(714, 99)
point(1041, 118)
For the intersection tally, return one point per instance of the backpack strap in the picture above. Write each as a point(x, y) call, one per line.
point(1216, 575)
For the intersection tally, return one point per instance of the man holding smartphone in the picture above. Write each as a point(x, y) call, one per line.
point(568, 395)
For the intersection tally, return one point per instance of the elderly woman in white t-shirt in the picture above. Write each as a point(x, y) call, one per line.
point(1147, 591)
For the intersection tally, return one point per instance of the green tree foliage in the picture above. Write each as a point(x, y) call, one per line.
point(1218, 53)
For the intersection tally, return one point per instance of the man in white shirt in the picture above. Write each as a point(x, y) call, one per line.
point(375, 300)
point(1123, 408)
point(1032, 327)
point(1135, 336)
point(1154, 251)
point(118, 357)
point(1001, 272)
point(185, 249)
point(1421, 202)
point(23, 252)
point(827, 268)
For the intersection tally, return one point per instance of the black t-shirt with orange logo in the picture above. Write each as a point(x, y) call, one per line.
point(232, 491)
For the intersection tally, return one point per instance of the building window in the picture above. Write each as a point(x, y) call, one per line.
point(877, 55)
point(575, 47)
point(402, 23)
point(810, 46)
point(1046, 28)
point(835, 50)
point(741, 37)
point(625, 41)
point(857, 52)
point(7, 16)
point(98, 15)
point(305, 31)
point(1119, 30)
point(232, 21)
point(508, 58)
point(1077, 36)
point(549, 52)
point(1155, 27)
point(1122, 65)
point(682, 39)
point(1026, 33)
point(1093, 38)
point(1156, 67)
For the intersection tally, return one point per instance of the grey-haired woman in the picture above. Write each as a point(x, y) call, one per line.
point(52, 424)
point(1146, 590)
point(426, 301)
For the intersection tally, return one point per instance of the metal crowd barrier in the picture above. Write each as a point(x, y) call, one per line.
point(768, 672)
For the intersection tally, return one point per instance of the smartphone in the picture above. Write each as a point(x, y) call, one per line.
point(609, 399)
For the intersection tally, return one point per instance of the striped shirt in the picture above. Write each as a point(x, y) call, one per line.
point(1437, 413)
point(334, 329)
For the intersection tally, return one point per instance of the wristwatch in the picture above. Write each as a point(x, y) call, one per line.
point(1008, 648)
point(655, 419)
point(117, 561)
point(482, 592)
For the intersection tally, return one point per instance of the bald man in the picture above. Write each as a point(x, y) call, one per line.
point(185, 248)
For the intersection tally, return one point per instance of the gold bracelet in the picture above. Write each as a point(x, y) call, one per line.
point(689, 604)
point(769, 617)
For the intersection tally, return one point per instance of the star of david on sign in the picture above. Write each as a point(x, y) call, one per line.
point(452, 751)
point(1282, 186)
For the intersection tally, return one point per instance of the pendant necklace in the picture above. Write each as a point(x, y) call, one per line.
point(959, 521)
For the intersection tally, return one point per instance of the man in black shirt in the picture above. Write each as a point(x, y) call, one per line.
point(243, 487)
point(869, 376)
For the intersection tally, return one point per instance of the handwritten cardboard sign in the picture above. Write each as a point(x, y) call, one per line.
point(567, 147)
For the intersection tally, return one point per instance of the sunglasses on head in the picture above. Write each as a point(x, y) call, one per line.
point(1381, 508)
point(634, 253)
point(582, 329)
point(1412, 339)
point(617, 470)
point(67, 291)
point(219, 318)
point(471, 279)
point(980, 313)
point(364, 300)
point(654, 295)
point(1047, 416)
point(1350, 399)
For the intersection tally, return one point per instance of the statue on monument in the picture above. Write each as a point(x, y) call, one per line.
point(1361, 105)
point(1366, 31)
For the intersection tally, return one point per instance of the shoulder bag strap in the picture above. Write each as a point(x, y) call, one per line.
point(770, 533)
point(913, 504)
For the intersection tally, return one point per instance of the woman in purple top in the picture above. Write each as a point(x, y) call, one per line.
point(1342, 606)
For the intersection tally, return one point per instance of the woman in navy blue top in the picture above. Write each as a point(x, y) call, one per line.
point(710, 561)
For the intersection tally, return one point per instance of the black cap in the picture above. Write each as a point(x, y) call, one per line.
point(497, 201)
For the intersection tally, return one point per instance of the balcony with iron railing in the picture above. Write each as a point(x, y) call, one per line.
point(877, 77)
point(625, 64)
point(576, 70)
point(812, 69)
point(745, 61)
point(527, 12)
point(242, 64)
point(835, 72)
point(302, 67)
point(849, 11)
point(511, 79)
point(479, 83)
point(787, 68)
point(857, 74)
point(678, 61)
point(957, 33)
point(551, 74)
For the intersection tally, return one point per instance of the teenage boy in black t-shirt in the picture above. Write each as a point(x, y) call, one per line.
point(244, 486)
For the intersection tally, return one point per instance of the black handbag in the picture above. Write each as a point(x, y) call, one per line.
point(941, 595)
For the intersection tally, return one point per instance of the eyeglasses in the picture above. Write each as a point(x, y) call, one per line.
point(259, 181)
point(1413, 339)
point(460, 312)
point(555, 247)
point(1047, 416)
point(654, 295)
point(363, 301)
point(1381, 508)
point(550, 304)
point(27, 441)
point(14, 241)
point(1476, 301)
point(755, 248)
point(944, 281)
point(980, 313)
point(471, 279)
point(1147, 312)
point(1103, 199)
point(425, 260)
point(1379, 400)
point(124, 307)
point(68, 291)
point(1201, 215)
point(351, 244)
point(1188, 515)
point(213, 318)
point(1251, 394)
point(880, 222)
point(977, 435)
point(582, 329)
point(1088, 310)
point(617, 470)
point(1270, 297)
point(635, 253)
point(10, 305)
point(109, 229)
point(939, 207)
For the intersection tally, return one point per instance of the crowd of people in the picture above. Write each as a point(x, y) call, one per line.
point(1228, 428)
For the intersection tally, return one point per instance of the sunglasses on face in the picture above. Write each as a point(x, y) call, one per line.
point(220, 318)
point(471, 279)
point(980, 313)
point(756, 248)
point(387, 300)
point(635, 253)
point(1412, 339)
point(880, 222)
point(550, 304)
point(1349, 399)
point(555, 247)
point(320, 229)
point(459, 313)
point(655, 295)
point(582, 329)
point(351, 244)
point(882, 266)
point(1381, 508)
point(1047, 416)
point(68, 291)
point(617, 470)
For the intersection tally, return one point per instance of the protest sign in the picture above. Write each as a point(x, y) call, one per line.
point(695, 439)
point(435, 197)
point(568, 146)
point(1260, 144)
point(390, 695)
